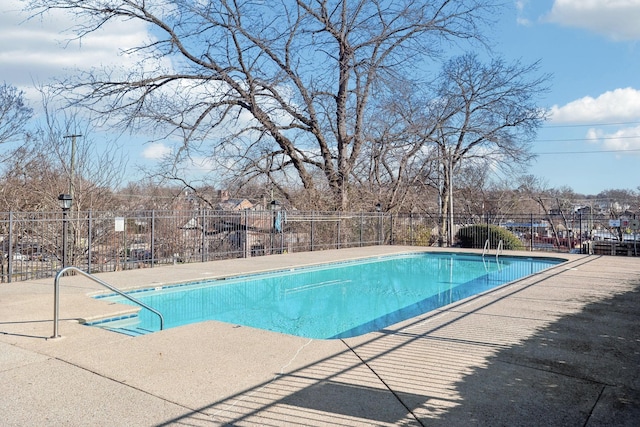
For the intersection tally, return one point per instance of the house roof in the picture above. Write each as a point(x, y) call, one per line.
point(235, 205)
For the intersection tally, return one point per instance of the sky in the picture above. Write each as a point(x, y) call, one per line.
point(590, 143)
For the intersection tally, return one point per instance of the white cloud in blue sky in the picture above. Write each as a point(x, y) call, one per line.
point(521, 18)
point(156, 151)
point(616, 19)
point(620, 140)
point(618, 105)
point(36, 50)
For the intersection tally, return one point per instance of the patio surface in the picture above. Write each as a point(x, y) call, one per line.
point(560, 348)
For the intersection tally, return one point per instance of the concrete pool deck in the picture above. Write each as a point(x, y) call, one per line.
point(560, 348)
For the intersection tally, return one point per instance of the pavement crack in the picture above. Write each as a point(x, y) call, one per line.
point(409, 410)
point(586, 421)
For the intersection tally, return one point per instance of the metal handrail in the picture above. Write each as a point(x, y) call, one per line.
point(486, 247)
point(499, 249)
point(56, 297)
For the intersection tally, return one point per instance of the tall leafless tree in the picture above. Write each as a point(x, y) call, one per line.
point(396, 153)
point(276, 88)
point(14, 112)
point(46, 164)
point(483, 114)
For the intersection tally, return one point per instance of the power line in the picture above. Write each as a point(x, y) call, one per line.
point(587, 140)
point(589, 152)
point(592, 125)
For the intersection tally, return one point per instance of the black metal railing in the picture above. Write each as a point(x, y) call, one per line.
point(32, 243)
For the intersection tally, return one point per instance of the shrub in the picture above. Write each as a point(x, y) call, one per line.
point(474, 236)
point(421, 236)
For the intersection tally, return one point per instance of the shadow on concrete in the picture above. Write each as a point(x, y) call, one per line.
point(583, 369)
point(5, 328)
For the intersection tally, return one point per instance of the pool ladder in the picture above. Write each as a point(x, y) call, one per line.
point(487, 245)
point(56, 297)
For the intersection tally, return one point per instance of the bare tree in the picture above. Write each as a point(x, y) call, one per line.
point(471, 126)
point(14, 112)
point(555, 203)
point(62, 157)
point(48, 164)
point(278, 89)
point(486, 115)
point(396, 154)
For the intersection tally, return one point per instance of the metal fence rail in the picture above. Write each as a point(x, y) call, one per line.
point(32, 243)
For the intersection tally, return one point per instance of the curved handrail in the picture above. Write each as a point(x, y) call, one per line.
point(56, 297)
point(486, 247)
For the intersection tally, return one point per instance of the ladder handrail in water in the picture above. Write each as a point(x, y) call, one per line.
point(487, 246)
point(499, 249)
point(56, 297)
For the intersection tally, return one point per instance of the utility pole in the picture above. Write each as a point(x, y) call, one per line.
point(66, 251)
point(73, 162)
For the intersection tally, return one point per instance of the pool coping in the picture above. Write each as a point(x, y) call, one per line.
point(137, 292)
point(446, 367)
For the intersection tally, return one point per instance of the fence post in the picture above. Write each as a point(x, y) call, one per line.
point(488, 231)
point(153, 237)
point(531, 234)
point(411, 242)
point(203, 217)
point(245, 241)
point(580, 219)
point(89, 241)
point(312, 229)
point(10, 249)
point(125, 264)
point(361, 226)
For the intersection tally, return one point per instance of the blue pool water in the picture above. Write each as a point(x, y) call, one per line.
point(337, 300)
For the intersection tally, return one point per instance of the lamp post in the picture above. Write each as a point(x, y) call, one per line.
point(65, 204)
point(274, 206)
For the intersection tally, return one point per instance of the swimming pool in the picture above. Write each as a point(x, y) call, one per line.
point(337, 300)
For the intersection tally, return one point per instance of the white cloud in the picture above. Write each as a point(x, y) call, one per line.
point(203, 164)
point(521, 5)
point(612, 106)
point(156, 151)
point(38, 49)
point(621, 139)
point(616, 19)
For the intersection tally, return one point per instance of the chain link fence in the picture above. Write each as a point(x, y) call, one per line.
point(33, 244)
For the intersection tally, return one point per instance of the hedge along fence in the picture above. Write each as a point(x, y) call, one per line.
point(475, 236)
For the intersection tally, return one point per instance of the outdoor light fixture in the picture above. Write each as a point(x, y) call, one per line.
point(65, 204)
point(274, 205)
point(65, 201)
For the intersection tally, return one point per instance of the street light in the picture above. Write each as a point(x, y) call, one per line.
point(275, 207)
point(65, 204)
